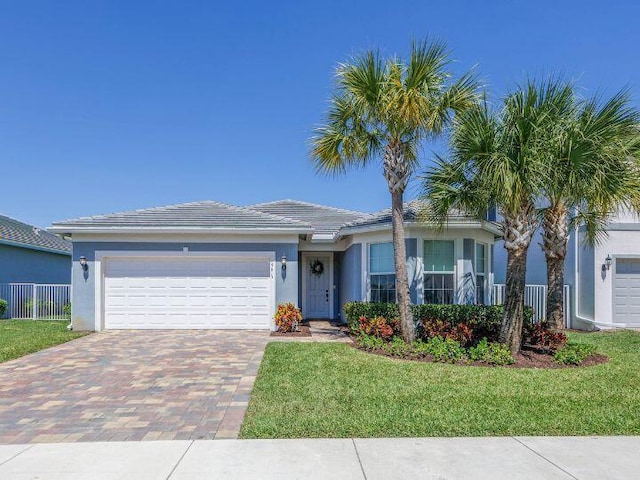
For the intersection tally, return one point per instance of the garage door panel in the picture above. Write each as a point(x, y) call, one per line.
point(187, 293)
point(626, 291)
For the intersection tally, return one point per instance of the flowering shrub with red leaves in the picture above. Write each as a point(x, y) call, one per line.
point(541, 336)
point(432, 328)
point(378, 327)
point(287, 317)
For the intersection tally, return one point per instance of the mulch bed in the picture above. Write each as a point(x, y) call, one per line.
point(303, 331)
point(527, 358)
point(531, 358)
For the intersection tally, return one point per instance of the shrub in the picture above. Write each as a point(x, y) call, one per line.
point(574, 353)
point(484, 320)
point(397, 347)
point(493, 353)
point(541, 336)
point(444, 350)
point(370, 343)
point(67, 310)
point(420, 348)
point(287, 317)
point(354, 310)
point(441, 328)
point(3, 307)
point(377, 327)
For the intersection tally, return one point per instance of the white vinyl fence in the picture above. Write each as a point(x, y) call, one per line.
point(535, 296)
point(36, 301)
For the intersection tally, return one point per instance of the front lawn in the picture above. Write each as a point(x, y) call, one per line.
point(334, 390)
point(21, 337)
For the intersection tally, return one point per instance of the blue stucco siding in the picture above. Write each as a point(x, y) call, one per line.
point(25, 265)
point(83, 302)
point(337, 266)
point(350, 279)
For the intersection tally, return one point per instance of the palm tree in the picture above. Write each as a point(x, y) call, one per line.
point(497, 159)
point(593, 171)
point(384, 109)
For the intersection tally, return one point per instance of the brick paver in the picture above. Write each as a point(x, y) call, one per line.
point(131, 385)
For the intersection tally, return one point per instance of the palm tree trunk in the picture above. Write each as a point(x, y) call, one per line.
point(518, 231)
point(397, 172)
point(400, 259)
point(554, 243)
point(512, 323)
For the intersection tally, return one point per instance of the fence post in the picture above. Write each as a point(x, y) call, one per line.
point(35, 301)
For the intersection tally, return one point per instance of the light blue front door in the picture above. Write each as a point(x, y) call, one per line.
point(317, 288)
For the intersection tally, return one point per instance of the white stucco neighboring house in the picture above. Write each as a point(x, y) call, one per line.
point(604, 280)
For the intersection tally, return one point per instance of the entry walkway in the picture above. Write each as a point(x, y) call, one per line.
point(321, 331)
point(582, 458)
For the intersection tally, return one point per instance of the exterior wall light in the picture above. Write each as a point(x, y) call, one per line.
point(83, 263)
point(283, 261)
point(607, 262)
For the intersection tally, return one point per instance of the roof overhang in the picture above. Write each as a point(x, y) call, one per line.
point(71, 229)
point(323, 238)
point(620, 227)
point(34, 247)
point(482, 224)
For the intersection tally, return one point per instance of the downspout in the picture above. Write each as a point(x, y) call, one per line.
point(576, 287)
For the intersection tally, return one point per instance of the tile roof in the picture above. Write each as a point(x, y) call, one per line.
point(18, 233)
point(201, 215)
point(412, 211)
point(324, 220)
point(325, 223)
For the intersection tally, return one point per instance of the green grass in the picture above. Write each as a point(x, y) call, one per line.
point(333, 390)
point(21, 337)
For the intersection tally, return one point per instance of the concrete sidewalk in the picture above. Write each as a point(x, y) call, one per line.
point(375, 458)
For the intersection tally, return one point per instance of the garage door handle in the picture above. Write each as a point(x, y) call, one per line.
point(327, 294)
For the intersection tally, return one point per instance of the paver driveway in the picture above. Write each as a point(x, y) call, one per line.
point(131, 385)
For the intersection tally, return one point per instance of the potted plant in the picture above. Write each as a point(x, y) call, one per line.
point(287, 317)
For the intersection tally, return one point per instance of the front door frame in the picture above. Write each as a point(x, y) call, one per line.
point(305, 259)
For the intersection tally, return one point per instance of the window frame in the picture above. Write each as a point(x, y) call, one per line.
point(385, 273)
point(452, 273)
point(482, 274)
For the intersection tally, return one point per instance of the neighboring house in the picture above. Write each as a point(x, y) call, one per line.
point(607, 290)
point(212, 265)
point(31, 255)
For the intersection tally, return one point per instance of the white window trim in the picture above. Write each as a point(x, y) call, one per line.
point(102, 255)
point(367, 273)
point(453, 272)
point(486, 269)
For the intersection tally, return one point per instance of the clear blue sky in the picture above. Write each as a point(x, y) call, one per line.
point(115, 105)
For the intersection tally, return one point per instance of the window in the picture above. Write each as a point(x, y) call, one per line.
point(481, 265)
point(439, 260)
point(382, 277)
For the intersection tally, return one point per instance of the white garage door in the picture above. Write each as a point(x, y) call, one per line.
point(182, 293)
point(626, 291)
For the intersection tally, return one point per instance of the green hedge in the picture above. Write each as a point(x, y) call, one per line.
point(3, 307)
point(354, 310)
point(485, 319)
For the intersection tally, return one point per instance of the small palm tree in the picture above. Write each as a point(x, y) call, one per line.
point(384, 109)
point(498, 159)
point(593, 170)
